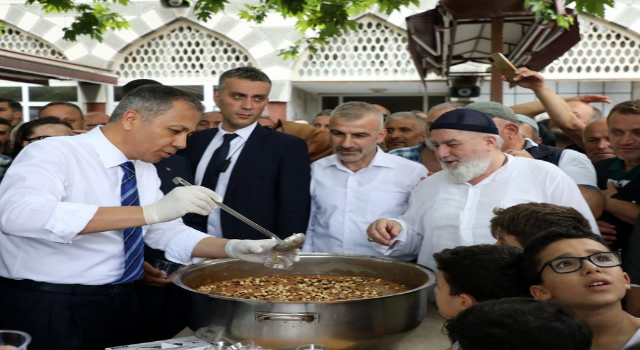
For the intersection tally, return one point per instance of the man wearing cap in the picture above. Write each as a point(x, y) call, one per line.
point(573, 163)
point(529, 128)
point(453, 207)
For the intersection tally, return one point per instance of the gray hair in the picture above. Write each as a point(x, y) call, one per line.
point(153, 100)
point(324, 112)
point(422, 123)
point(352, 111)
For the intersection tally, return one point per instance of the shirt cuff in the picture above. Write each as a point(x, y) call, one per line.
point(68, 219)
point(395, 242)
point(180, 249)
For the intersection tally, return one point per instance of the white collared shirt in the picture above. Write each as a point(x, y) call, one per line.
point(443, 214)
point(344, 203)
point(214, 225)
point(50, 193)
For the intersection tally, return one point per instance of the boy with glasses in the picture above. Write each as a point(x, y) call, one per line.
point(576, 267)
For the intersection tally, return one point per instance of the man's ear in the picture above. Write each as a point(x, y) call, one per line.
point(129, 119)
point(466, 300)
point(512, 129)
point(540, 293)
point(491, 140)
point(382, 136)
point(627, 281)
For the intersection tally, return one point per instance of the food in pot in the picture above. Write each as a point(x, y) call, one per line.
point(303, 288)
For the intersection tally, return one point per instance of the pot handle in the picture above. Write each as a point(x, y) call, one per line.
point(309, 317)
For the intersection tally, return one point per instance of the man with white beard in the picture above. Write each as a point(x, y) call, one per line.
point(454, 207)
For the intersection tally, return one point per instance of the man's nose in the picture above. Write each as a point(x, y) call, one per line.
point(180, 141)
point(603, 144)
point(247, 104)
point(347, 142)
point(442, 152)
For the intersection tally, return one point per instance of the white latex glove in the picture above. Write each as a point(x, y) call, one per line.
point(180, 201)
point(248, 249)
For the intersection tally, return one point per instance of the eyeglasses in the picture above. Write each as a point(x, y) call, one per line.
point(572, 264)
point(38, 138)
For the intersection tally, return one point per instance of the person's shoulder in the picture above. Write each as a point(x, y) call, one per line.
point(403, 150)
point(399, 161)
point(576, 155)
point(202, 134)
point(523, 167)
point(605, 164)
point(279, 137)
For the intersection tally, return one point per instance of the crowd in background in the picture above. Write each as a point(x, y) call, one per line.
point(528, 222)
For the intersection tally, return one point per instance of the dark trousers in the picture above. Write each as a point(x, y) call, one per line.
point(164, 310)
point(59, 321)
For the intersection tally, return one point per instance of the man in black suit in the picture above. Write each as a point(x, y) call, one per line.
point(261, 173)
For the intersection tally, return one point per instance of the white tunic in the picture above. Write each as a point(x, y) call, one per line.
point(443, 214)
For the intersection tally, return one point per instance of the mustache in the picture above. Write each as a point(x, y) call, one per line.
point(348, 149)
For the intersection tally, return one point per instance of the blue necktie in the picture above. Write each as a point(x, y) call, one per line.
point(133, 243)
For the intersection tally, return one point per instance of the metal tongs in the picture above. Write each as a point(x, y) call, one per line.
point(290, 243)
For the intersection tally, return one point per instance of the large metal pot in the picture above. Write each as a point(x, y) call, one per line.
point(374, 323)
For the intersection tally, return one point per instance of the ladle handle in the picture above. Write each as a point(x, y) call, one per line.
point(180, 181)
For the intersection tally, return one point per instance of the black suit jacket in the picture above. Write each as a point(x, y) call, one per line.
point(269, 183)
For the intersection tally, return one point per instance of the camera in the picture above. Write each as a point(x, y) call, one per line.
point(464, 86)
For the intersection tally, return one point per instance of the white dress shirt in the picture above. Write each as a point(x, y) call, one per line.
point(214, 225)
point(575, 164)
point(443, 214)
point(344, 203)
point(50, 193)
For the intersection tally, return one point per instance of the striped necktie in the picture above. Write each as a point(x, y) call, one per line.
point(133, 243)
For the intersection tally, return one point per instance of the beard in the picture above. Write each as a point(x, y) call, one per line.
point(467, 170)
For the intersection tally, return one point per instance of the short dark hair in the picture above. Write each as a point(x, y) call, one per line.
point(134, 84)
point(60, 103)
point(531, 257)
point(245, 73)
point(626, 107)
point(13, 104)
point(26, 130)
point(524, 221)
point(5, 122)
point(483, 271)
point(152, 100)
point(519, 323)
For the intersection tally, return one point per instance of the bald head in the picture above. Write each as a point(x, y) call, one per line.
point(382, 109)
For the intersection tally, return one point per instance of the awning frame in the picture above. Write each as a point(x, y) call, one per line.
point(27, 68)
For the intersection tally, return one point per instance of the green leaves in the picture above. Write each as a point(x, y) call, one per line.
point(317, 20)
point(592, 7)
point(545, 9)
point(92, 20)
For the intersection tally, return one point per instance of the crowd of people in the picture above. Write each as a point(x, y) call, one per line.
point(529, 224)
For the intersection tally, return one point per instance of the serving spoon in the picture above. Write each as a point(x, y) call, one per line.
point(290, 243)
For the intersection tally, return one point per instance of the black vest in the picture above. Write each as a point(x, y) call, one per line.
point(547, 153)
